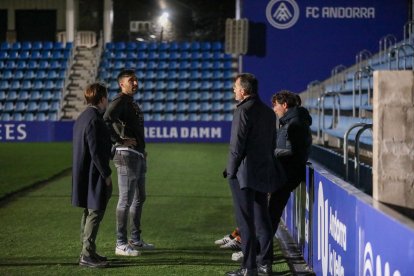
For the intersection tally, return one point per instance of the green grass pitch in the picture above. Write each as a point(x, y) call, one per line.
point(188, 206)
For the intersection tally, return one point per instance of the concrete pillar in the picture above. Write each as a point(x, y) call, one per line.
point(393, 132)
point(108, 18)
point(70, 20)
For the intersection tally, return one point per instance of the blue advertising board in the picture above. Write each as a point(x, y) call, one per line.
point(294, 42)
point(349, 234)
point(58, 131)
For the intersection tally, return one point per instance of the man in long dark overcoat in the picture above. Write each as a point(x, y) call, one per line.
point(251, 174)
point(91, 174)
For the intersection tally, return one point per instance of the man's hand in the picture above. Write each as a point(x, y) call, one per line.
point(129, 142)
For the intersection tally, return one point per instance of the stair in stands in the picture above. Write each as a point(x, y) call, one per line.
point(82, 72)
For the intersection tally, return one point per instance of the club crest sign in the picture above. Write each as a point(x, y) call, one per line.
point(282, 14)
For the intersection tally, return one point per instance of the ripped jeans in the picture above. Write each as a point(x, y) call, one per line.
point(131, 169)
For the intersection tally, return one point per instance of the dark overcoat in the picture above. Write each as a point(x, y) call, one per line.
point(253, 139)
point(90, 165)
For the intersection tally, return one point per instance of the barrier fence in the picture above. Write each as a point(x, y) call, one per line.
point(342, 231)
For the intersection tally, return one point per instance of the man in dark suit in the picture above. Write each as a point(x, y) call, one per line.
point(251, 175)
point(91, 174)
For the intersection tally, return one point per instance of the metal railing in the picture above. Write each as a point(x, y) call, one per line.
point(359, 74)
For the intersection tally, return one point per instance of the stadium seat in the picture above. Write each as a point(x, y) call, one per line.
point(5, 117)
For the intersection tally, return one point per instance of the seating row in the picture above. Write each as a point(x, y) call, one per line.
point(42, 106)
point(33, 64)
point(35, 55)
point(29, 116)
point(30, 74)
point(188, 117)
point(165, 46)
point(176, 75)
point(34, 95)
point(170, 65)
point(36, 45)
point(31, 85)
point(110, 55)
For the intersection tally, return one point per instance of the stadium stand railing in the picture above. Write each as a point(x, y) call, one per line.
point(341, 106)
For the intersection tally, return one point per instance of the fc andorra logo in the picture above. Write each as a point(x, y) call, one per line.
point(282, 14)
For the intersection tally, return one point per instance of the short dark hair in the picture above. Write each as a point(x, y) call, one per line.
point(285, 96)
point(248, 82)
point(94, 93)
point(125, 73)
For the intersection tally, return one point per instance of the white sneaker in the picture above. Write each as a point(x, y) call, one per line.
point(233, 244)
point(224, 240)
point(237, 256)
point(141, 245)
point(126, 250)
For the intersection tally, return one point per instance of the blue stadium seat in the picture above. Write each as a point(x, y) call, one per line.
point(47, 95)
point(194, 86)
point(52, 116)
point(41, 116)
point(120, 46)
point(171, 96)
point(8, 107)
point(29, 116)
point(158, 107)
point(217, 117)
point(196, 55)
point(205, 117)
point(205, 96)
point(182, 96)
point(44, 106)
point(4, 85)
point(4, 46)
point(23, 95)
point(47, 45)
point(7, 75)
point(35, 95)
point(195, 74)
point(205, 107)
point(174, 46)
point(26, 84)
point(228, 106)
point(184, 46)
point(194, 96)
point(206, 74)
point(175, 55)
point(5, 117)
point(182, 117)
point(228, 117)
point(159, 96)
point(217, 96)
point(217, 106)
point(55, 105)
point(38, 85)
point(131, 46)
point(152, 46)
point(2, 95)
point(163, 47)
point(16, 46)
point(194, 106)
point(20, 107)
point(169, 117)
point(193, 117)
point(148, 96)
point(217, 46)
point(12, 95)
point(170, 107)
point(182, 107)
point(205, 46)
point(41, 75)
point(146, 107)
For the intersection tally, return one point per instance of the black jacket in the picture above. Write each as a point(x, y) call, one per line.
point(294, 140)
point(125, 119)
point(91, 156)
point(251, 145)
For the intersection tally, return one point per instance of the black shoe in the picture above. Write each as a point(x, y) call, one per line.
point(100, 258)
point(243, 272)
point(264, 270)
point(92, 262)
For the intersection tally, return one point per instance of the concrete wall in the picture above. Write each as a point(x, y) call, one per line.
point(393, 131)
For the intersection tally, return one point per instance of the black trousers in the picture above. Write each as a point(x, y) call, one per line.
point(252, 217)
point(277, 203)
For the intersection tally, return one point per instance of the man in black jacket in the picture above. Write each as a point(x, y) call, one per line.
point(251, 174)
point(294, 140)
point(125, 121)
point(91, 174)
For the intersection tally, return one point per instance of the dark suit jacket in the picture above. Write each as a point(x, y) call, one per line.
point(91, 155)
point(252, 142)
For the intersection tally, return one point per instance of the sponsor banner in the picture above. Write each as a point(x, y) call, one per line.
point(211, 132)
point(294, 42)
point(56, 131)
point(334, 229)
point(347, 235)
point(49, 131)
point(385, 246)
